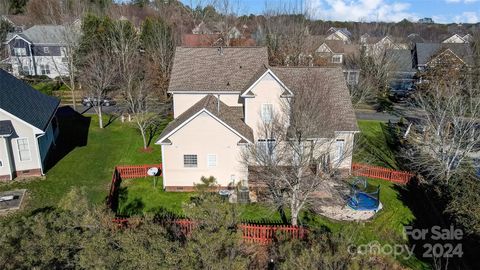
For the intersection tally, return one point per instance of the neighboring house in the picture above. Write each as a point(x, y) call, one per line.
point(335, 52)
point(234, 33)
point(401, 62)
point(220, 98)
point(341, 34)
point(199, 40)
point(428, 54)
point(202, 29)
point(375, 46)
point(455, 39)
point(27, 128)
point(39, 50)
point(468, 38)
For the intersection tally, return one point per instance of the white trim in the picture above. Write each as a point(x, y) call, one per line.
point(35, 129)
point(159, 142)
point(39, 157)
point(448, 49)
point(245, 110)
point(18, 149)
point(202, 92)
point(163, 167)
point(16, 35)
point(317, 50)
point(244, 94)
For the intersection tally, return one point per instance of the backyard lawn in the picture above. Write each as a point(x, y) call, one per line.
point(87, 159)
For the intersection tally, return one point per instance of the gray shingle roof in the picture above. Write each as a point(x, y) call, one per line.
point(213, 69)
point(6, 128)
point(26, 103)
point(425, 51)
point(232, 116)
point(335, 104)
point(402, 60)
point(44, 34)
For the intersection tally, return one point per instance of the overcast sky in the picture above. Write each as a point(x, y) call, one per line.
point(442, 11)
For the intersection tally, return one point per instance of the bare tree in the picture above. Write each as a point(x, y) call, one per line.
point(448, 133)
point(298, 158)
point(99, 76)
point(287, 35)
point(158, 42)
point(135, 88)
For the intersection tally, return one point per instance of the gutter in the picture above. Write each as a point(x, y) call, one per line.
point(38, 152)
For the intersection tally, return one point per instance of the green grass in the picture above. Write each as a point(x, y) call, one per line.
point(88, 166)
point(375, 145)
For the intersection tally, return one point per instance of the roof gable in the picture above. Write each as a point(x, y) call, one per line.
point(22, 101)
point(230, 117)
point(324, 49)
point(268, 72)
point(454, 39)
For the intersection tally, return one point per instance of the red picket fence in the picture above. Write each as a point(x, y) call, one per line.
point(135, 171)
point(399, 177)
point(251, 233)
point(127, 172)
point(265, 234)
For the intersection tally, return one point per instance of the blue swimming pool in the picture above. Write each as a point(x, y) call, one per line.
point(363, 201)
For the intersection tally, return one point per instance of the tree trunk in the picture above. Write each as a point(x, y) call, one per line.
point(294, 209)
point(72, 89)
point(100, 116)
point(142, 131)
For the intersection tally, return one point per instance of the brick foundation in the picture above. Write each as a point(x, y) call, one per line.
point(28, 173)
point(4, 178)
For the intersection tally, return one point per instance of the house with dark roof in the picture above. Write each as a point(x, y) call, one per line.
point(429, 54)
point(39, 50)
point(27, 128)
point(221, 96)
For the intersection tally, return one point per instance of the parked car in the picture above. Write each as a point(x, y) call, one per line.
point(93, 101)
point(398, 95)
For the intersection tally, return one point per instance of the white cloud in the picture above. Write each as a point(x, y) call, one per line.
point(467, 17)
point(360, 10)
point(461, 1)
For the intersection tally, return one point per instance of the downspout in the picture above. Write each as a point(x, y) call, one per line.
point(38, 152)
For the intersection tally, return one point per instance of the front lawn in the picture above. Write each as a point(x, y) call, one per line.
point(86, 159)
point(375, 145)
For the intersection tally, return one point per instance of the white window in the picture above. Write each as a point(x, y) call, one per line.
point(267, 147)
point(190, 161)
point(211, 161)
point(46, 50)
point(340, 149)
point(23, 149)
point(337, 59)
point(44, 69)
point(20, 51)
point(267, 112)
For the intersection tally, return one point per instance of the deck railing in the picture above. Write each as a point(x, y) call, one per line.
point(399, 177)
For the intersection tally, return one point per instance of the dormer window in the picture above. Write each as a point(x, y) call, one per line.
point(46, 50)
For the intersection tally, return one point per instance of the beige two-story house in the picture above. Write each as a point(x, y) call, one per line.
point(221, 96)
